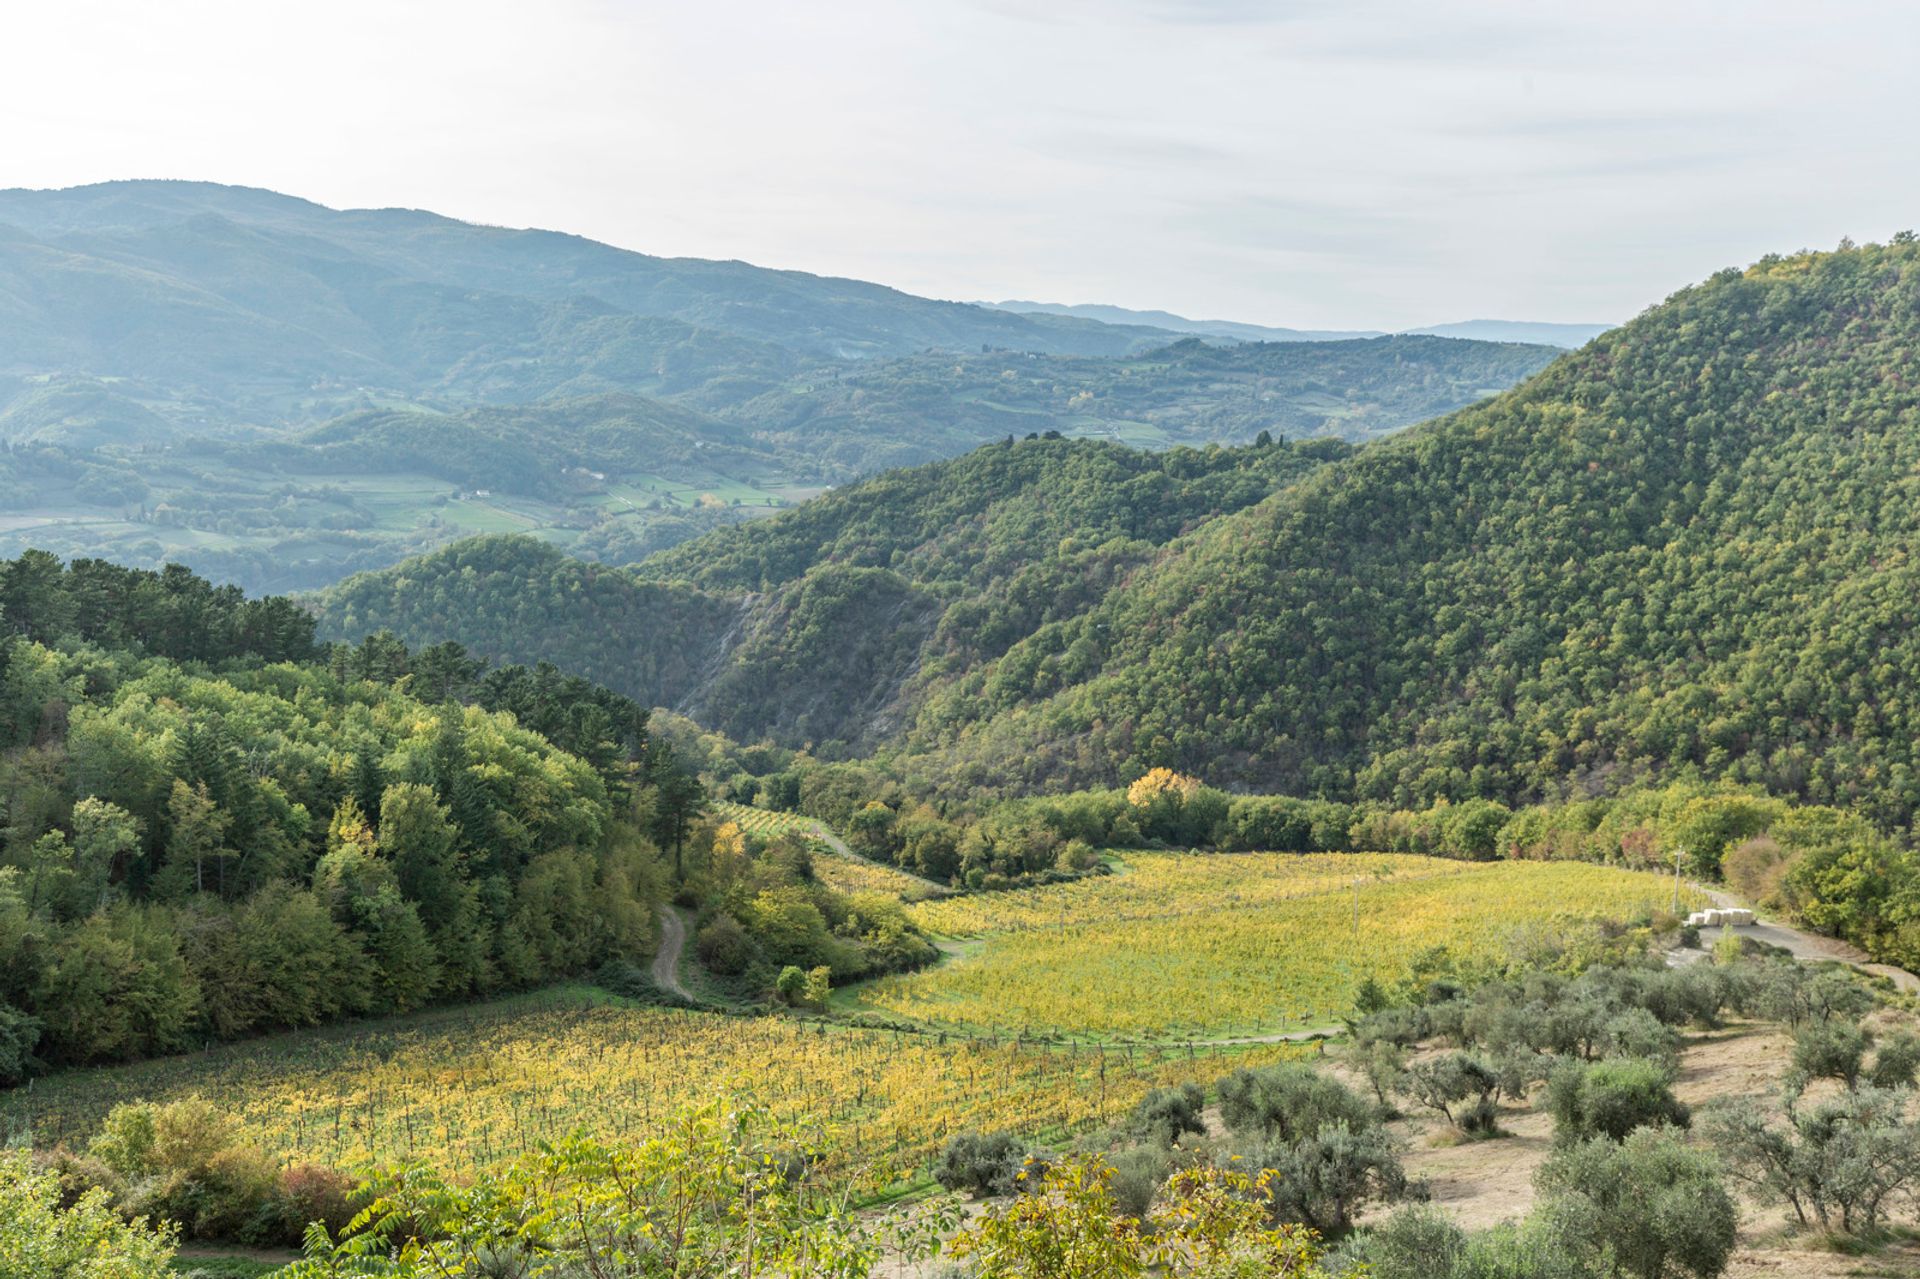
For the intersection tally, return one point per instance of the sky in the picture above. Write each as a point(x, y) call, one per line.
point(1310, 163)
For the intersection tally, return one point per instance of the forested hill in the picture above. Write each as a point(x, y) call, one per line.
point(832, 622)
point(215, 827)
point(1689, 546)
point(1686, 548)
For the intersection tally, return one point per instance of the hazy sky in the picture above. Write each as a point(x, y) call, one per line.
point(1362, 163)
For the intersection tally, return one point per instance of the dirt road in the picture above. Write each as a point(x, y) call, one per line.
point(1807, 946)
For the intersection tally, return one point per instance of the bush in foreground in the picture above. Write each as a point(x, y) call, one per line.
point(713, 1194)
point(42, 1236)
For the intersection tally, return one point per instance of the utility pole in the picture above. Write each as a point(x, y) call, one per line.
point(1679, 855)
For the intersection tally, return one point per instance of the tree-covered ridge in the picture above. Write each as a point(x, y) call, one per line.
point(921, 407)
point(513, 597)
point(192, 854)
point(1685, 548)
point(994, 511)
point(250, 297)
point(828, 623)
point(172, 613)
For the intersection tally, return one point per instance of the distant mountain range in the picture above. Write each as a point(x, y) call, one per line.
point(279, 393)
point(1546, 334)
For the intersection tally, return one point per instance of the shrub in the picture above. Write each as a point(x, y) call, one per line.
point(1165, 1114)
point(1323, 1180)
point(45, 1237)
point(1837, 1163)
point(1832, 1049)
point(125, 1140)
point(724, 947)
point(185, 1162)
point(1067, 1232)
point(1138, 1174)
point(308, 1193)
point(628, 980)
point(1651, 1203)
point(1791, 993)
point(1290, 1102)
point(1418, 1241)
point(1897, 1061)
point(1403, 1027)
point(230, 1196)
point(1636, 1032)
point(77, 1174)
point(1677, 996)
point(1611, 1099)
point(577, 1206)
point(981, 1163)
point(818, 988)
point(1421, 1242)
point(19, 1035)
point(1381, 1062)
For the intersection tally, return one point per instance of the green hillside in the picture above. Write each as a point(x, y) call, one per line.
point(1682, 550)
point(1686, 547)
point(833, 621)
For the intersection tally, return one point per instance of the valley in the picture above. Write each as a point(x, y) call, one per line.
point(338, 390)
point(718, 767)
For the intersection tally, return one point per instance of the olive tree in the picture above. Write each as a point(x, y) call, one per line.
point(1651, 1204)
point(1837, 1163)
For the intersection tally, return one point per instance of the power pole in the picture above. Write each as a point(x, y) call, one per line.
point(1679, 855)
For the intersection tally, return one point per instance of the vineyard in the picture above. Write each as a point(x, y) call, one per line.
point(764, 822)
point(847, 873)
point(1070, 1003)
point(467, 1088)
point(1153, 885)
point(1181, 946)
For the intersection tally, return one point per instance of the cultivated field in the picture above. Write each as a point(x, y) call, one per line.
point(468, 1087)
point(837, 870)
point(1187, 946)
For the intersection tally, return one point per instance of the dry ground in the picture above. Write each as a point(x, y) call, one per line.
point(1483, 1183)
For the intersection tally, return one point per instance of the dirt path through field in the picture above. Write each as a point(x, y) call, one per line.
point(666, 961)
